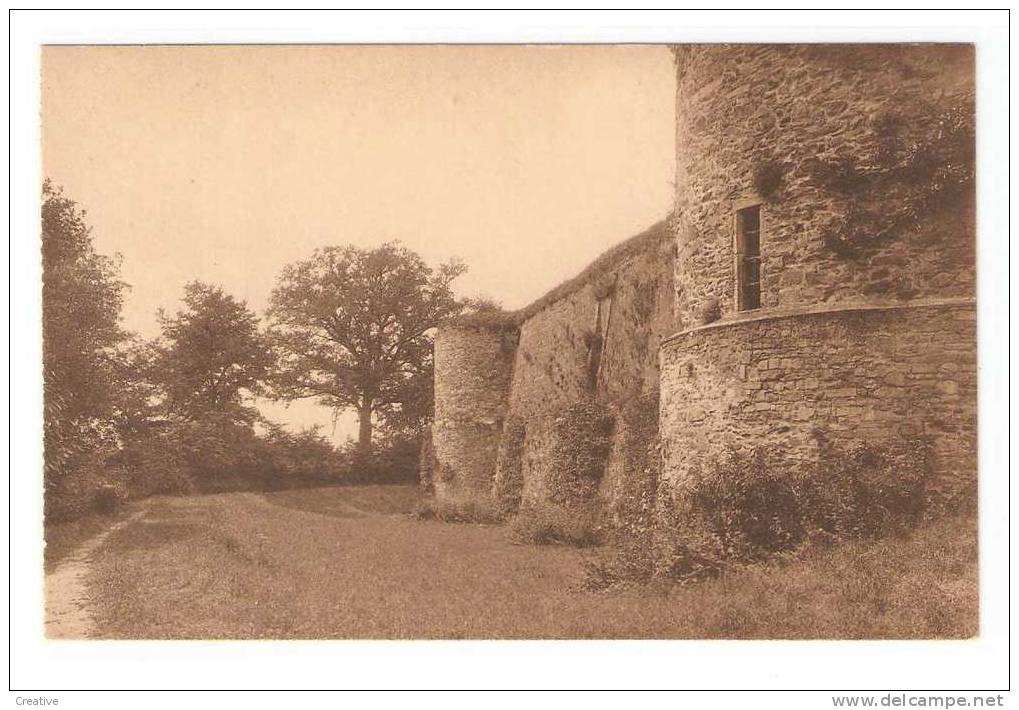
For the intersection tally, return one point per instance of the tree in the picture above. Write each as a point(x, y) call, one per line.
point(82, 296)
point(351, 327)
point(213, 357)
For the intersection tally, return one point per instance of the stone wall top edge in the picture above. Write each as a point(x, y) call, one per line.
point(749, 317)
point(615, 257)
point(494, 328)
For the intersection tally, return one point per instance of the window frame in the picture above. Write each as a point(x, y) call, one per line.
point(739, 295)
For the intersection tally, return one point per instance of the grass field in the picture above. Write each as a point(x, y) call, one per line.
point(348, 562)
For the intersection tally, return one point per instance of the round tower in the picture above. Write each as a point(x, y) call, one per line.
point(473, 368)
point(825, 271)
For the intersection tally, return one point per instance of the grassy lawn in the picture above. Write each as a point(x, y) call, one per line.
point(343, 562)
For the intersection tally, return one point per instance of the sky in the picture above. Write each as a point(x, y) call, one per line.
point(223, 164)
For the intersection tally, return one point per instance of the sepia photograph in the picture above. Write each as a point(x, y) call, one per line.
point(486, 341)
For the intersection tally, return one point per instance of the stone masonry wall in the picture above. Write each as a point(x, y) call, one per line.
point(473, 366)
point(878, 375)
point(553, 367)
point(740, 108)
point(593, 338)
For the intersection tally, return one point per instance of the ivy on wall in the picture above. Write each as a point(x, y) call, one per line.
point(634, 502)
point(582, 439)
point(922, 163)
point(509, 473)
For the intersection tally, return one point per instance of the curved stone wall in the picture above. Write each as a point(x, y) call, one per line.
point(473, 369)
point(881, 375)
point(744, 109)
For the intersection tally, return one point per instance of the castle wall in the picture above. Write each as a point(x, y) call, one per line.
point(473, 366)
point(885, 376)
point(859, 160)
point(593, 339)
point(555, 368)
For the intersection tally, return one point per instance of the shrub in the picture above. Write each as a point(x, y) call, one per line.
point(749, 510)
point(95, 485)
point(288, 460)
point(426, 463)
point(460, 510)
point(582, 526)
point(864, 491)
point(395, 459)
point(156, 463)
point(109, 498)
point(743, 509)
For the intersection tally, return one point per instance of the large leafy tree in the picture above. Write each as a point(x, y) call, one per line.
point(212, 358)
point(82, 297)
point(351, 328)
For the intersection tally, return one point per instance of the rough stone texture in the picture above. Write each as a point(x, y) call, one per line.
point(631, 475)
point(552, 369)
point(553, 365)
point(741, 106)
point(473, 366)
point(509, 474)
point(879, 375)
point(553, 357)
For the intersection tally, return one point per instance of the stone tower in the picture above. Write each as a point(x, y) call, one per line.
point(825, 269)
point(472, 377)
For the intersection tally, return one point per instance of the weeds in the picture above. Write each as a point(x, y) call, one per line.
point(460, 510)
point(584, 526)
point(743, 510)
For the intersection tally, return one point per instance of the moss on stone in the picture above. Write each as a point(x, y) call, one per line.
point(509, 475)
point(582, 440)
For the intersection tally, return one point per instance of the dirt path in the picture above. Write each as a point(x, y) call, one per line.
point(67, 600)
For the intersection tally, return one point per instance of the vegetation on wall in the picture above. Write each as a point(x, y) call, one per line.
point(582, 438)
point(488, 319)
point(710, 311)
point(597, 271)
point(645, 297)
point(509, 474)
point(593, 342)
point(746, 509)
point(634, 502)
point(922, 163)
point(767, 177)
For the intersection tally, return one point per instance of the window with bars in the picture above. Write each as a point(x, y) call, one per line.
point(748, 258)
